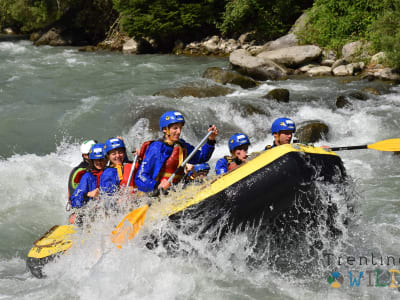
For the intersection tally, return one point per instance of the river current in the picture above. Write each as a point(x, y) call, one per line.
point(51, 99)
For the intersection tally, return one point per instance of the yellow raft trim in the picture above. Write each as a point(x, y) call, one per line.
point(228, 179)
point(57, 239)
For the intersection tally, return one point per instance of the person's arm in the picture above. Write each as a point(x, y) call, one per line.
point(221, 166)
point(149, 169)
point(79, 197)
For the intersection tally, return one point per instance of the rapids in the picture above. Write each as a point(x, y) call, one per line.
point(51, 99)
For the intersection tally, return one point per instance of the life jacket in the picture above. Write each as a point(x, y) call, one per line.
point(233, 163)
point(170, 166)
point(75, 177)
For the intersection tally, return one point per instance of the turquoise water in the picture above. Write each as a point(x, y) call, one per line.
point(51, 99)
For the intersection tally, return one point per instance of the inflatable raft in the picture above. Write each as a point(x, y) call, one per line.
point(275, 183)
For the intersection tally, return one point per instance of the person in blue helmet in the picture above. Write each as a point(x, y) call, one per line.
point(163, 157)
point(238, 146)
point(88, 187)
point(116, 174)
point(197, 172)
point(282, 130)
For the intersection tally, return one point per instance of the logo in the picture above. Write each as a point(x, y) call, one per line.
point(283, 124)
point(335, 280)
point(167, 118)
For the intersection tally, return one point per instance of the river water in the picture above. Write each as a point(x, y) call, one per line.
point(51, 99)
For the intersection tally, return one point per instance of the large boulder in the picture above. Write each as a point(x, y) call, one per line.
point(257, 68)
point(137, 46)
point(342, 102)
point(195, 90)
point(225, 76)
point(358, 49)
point(293, 56)
point(312, 131)
point(285, 41)
point(53, 37)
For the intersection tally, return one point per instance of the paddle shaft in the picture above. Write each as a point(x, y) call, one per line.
point(349, 148)
point(190, 156)
point(132, 169)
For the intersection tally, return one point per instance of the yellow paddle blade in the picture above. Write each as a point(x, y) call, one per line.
point(129, 226)
point(57, 239)
point(392, 145)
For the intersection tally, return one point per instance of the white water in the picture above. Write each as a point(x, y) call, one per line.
point(53, 98)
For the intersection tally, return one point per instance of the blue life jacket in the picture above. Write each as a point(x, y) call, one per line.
point(88, 183)
point(156, 155)
point(109, 181)
point(221, 166)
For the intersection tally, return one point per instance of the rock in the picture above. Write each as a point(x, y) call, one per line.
point(247, 109)
point(212, 44)
point(320, 71)
point(327, 62)
point(130, 46)
point(8, 30)
point(308, 67)
point(329, 55)
point(372, 91)
point(53, 38)
point(312, 131)
point(388, 74)
point(223, 76)
point(357, 49)
point(196, 90)
point(256, 67)
point(293, 56)
point(342, 102)
point(285, 41)
point(358, 95)
point(281, 95)
point(246, 38)
point(378, 58)
point(338, 63)
point(300, 24)
point(343, 70)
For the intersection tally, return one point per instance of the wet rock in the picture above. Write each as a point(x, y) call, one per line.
point(312, 131)
point(371, 90)
point(88, 49)
point(358, 95)
point(388, 74)
point(307, 68)
point(53, 38)
point(256, 67)
point(281, 95)
point(342, 102)
point(137, 46)
point(196, 90)
point(224, 76)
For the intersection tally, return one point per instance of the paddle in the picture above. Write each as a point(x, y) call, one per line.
point(131, 224)
point(391, 145)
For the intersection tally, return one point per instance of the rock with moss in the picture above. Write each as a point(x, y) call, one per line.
point(280, 95)
point(312, 131)
point(225, 76)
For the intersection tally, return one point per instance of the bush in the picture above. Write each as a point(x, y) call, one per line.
point(167, 20)
point(333, 23)
point(270, 19)
point(385, 36)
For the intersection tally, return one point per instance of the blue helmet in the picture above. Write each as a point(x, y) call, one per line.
point(113, 143)
point(171, 117)
point(201, 167)
point(97, 151)
point(283, 124)
point(236, 140)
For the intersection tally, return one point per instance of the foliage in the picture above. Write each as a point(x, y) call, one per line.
point(166, 19)
point(332, 23)
point(271, 18)
point(385, 35)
